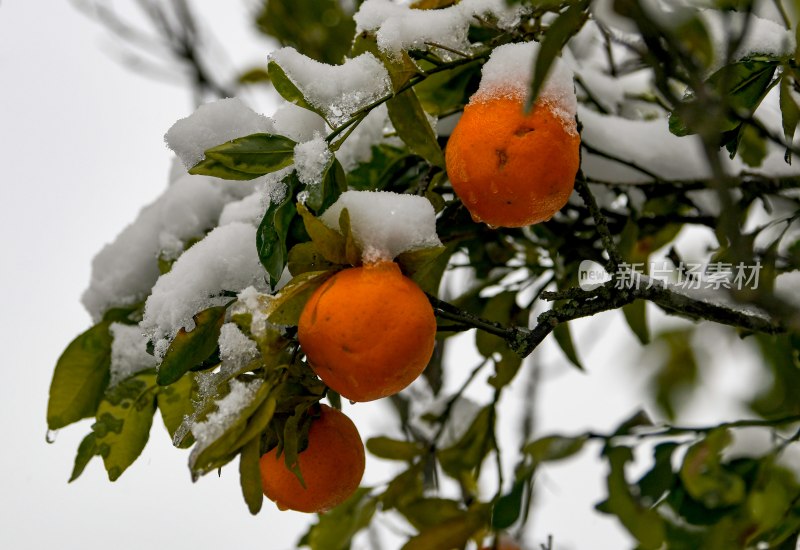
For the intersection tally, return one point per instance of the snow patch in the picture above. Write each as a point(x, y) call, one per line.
point(385, 224)
point(310, 159)
point(226, 260)
point(128, 352)
point(336, 90)
point(125, 270)
point(400, 28)
point(509, 72)
point(213, 124)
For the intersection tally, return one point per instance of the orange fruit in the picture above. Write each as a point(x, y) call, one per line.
point(331, 465)
point(368, 332)
point(511, 169)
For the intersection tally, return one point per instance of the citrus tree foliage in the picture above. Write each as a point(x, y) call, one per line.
point(524, 281)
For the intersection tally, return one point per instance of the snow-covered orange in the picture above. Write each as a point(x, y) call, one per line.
point(509, 168)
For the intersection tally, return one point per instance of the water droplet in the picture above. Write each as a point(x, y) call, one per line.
point(50, 436)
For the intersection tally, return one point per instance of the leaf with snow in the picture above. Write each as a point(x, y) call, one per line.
point(217, 435)
point(289, 302)
point(256, 154)
point(274, 230)
point(189, 349)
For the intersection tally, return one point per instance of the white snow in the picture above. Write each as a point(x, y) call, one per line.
point(357, 148)
point(226, 260)
point(235, 349)
point(310, 159)
point(649, 144)
point(248, 210)
point(398, 27)
point(336, 90)
point(213, 124)
point(228, 408)
point(125, 270)
point(256, 304)
point(509, 72)
point(128, 352)
point(385, 224)
point(297, 123)
point(763, 36)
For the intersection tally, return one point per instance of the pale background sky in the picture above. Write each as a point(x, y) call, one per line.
point(82, 150)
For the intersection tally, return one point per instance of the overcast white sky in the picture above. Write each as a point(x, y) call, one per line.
point(82, 150)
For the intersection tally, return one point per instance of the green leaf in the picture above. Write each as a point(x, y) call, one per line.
point(404, 488)
point(677, 370)
point(563, 336)
point(86, 451)
point(257, 154)
point(175, 403)
point(705, 479)
point(250, 475)
point(425, 513)
point(500, 308)
point(660, 478)
point(336, 528)
point(81, 375)
point(790, 113)
point(189, 349)
point(258, 422)
point(333, 184)
point(274, 230)
point(449, 91)
point(412, 125)
point(320, 29)
point(305, 257)
point(452, 533)
point(644, 524)
point(256, 75)
point(385, 165)
point(554, 447)
point(214, 168)
point(295, 436)
point(328, 242)
point(124, 418)
point(286, 88)
point(429, 272)
point(288, 304)
point(742, 85)
point(636, 316)
point(468, 453)
point(393, 449)
point(352, 251)
point(636, 420)
point(508, 507)
point(752, 147)
point(558, 34)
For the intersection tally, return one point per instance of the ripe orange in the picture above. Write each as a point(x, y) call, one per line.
point(368, 332)
point(331, 465)
point(511, 169)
